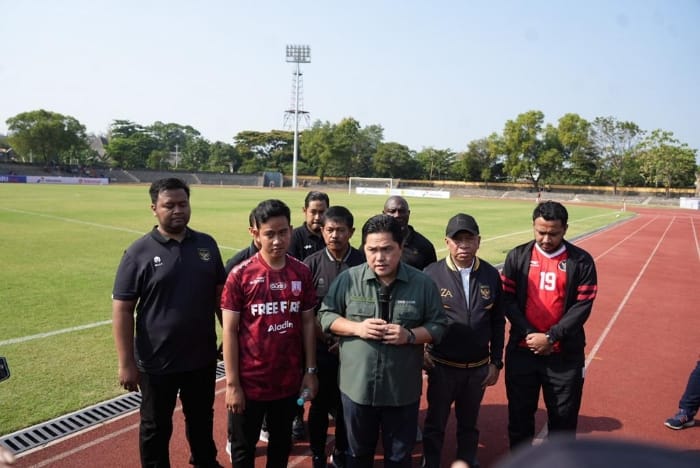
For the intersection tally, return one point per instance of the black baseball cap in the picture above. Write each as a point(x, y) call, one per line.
point(461, 222)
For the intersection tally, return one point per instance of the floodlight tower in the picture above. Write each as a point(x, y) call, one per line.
point(297, 54)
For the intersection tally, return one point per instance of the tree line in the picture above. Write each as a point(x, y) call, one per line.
point(605, 151)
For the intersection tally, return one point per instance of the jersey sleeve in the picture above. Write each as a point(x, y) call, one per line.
point(126, 282)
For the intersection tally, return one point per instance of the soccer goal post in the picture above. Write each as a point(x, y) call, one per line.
point(359, 184)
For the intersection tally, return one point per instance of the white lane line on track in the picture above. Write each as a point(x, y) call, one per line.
point(695, 236)
point(542, 435)
point(631, 289)
point(621, 241)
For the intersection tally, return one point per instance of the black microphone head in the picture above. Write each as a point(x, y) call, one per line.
point(384, 293)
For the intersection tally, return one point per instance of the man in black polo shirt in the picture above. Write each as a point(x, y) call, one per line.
point(418, 251)
point(307, 238)
point(172, 278)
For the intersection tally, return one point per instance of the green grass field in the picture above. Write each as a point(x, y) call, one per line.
point(61, 246)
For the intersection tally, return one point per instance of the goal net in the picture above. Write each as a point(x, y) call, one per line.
point(371, 184)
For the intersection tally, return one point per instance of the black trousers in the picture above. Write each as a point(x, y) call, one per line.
point(561, 380)
point(246, 426)
point(327, 401)
point(397, 424)
point(463, 387)
point(159, 396)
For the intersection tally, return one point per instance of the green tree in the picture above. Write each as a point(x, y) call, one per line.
point(171, 135)
point(317, 147)
point(581, 161)
point(47, 136)
point(346, 144)
point(261, 151)
point(195, 154)
point(529, 148)
point(396, 161)
point(436, 164)
point(664, 161)
point(223, 157)
point(130, 146)
point(615, 143)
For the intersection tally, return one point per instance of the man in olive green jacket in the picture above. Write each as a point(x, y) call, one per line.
point(384, 311)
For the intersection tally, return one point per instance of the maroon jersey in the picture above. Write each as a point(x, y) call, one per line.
point(270, 339)
point(546, 289)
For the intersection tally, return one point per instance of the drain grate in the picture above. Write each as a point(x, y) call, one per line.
point(43, 433)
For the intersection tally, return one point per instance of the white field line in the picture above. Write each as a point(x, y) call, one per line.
point(38, 336)
point(85, 223)
point(542, 435)
point(88, 223)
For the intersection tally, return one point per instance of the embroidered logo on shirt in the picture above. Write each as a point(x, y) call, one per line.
point(444, 292)
point(485, 292)
point(258, 280)
point(562, 265)
point(157, 261)
point(278, 286)
point(296, 287)
point(204, 254)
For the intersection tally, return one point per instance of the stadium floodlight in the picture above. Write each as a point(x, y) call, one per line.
point(297, 54)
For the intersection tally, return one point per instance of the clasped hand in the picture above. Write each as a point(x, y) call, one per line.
point(381, 330)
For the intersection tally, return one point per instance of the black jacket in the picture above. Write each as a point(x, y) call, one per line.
point(476, 332)
point(418, 251)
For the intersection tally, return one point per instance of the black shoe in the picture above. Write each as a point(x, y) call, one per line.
point(338, 459)
point(298, 429)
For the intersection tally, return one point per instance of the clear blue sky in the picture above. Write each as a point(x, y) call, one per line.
point(432, 73)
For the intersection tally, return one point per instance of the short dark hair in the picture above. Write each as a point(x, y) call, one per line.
point(272, 208)
point(315, 195)
point(251, 218)
point(380, 223)
point(399, 200)
point(340, 214)
point(551, 211)
point(169, 183)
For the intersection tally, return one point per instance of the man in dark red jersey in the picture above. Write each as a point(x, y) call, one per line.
point(549, 287)
point(269, 328)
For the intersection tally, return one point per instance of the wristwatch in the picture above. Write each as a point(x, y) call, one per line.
point(550, 339)
point(312, 370)
point(411, 336)
point(498, 364)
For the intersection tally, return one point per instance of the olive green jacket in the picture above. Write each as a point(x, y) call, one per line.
point(371, 372)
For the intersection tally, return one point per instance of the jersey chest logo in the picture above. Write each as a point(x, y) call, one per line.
point(204, 254)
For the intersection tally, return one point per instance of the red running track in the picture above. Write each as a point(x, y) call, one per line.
point(642, 344)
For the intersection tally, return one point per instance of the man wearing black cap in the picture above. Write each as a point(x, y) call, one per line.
point(469, 357)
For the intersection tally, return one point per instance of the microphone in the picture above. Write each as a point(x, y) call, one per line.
point(384, 302)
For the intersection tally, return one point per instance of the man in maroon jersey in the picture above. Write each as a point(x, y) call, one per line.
point(549, 287)
point(269, 328)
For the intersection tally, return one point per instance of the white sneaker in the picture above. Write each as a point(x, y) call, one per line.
point(264, 436)
point(228, 447)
